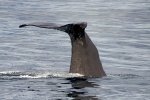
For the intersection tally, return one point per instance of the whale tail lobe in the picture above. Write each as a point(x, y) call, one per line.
point(65, 28)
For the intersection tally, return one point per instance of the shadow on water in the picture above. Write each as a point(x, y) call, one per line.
point(78, 91)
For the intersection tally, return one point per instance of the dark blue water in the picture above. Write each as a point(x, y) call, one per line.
point(34, 62)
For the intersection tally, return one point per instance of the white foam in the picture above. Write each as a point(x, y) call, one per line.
point(38, 74)
point(8, 72)
point(52, 75)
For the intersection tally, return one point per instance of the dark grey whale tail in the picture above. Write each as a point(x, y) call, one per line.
point(85, 58)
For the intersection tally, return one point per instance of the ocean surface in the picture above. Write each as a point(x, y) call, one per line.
point(34, 62)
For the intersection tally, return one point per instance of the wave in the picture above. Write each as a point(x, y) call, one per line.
point(36, 75)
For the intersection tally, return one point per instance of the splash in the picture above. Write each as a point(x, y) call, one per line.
point(36, 75)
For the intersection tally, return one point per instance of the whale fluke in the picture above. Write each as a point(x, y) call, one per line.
point(85, 57)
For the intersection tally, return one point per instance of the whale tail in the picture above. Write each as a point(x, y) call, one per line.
point(76, 27)
point(85, 58)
